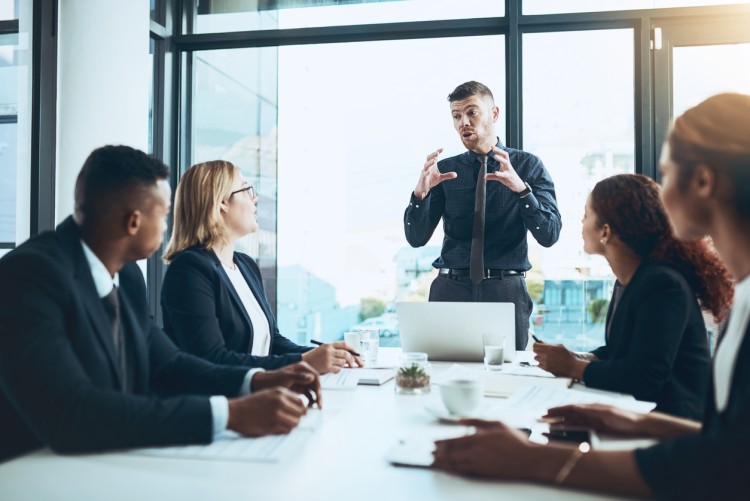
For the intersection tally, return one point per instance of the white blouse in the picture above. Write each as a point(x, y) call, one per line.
point(726, 354)
point(261, 330)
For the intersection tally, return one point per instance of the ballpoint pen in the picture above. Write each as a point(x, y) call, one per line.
point(320, 343)
point(537, 339)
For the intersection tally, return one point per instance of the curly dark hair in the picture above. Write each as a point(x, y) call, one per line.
point(630, 204)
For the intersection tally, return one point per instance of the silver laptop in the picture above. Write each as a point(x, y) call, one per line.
point(453, 331)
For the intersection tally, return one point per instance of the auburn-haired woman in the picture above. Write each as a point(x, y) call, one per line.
point(656, 345)
point(212, 298)
point(706, 191)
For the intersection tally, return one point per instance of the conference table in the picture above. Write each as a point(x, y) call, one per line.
point(343, 456)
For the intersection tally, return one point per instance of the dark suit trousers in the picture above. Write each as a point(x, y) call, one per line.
point(500, 290)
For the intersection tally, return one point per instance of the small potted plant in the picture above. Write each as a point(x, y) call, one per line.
point(413, 377)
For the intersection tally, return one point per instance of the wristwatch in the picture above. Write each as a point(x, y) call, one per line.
point(525, 192)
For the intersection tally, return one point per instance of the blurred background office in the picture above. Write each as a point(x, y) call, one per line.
point(328, 107)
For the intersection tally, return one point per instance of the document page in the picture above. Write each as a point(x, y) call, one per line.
point(537, 399)
point(231, 446)
point(347, 379)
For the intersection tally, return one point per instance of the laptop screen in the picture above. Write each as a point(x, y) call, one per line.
point(452, 330)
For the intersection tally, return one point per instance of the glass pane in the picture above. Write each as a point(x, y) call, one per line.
point(243, 15)
point(8, 162)
point(581, 124)
point(724, 68)
point(15, 124)
point(352, 141)
point(234, 113)
point(558, 7)
point(8, 10)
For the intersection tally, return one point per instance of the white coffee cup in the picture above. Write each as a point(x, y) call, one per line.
point(461, 396)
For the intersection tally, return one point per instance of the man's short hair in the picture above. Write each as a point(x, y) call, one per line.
point(469, 89)
point(113, 177)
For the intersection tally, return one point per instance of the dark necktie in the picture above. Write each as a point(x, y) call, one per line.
point(112, 305)
point(476, 263)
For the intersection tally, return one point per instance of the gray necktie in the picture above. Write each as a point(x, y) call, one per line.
point(112, 306)
point(476, 263)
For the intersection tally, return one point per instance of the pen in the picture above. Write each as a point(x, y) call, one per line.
point(537, 339)
point(319, 343)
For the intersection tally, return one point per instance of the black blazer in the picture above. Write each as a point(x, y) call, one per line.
point(713, 464)
point(205, 316)
point(657, 347)
point(59, 381)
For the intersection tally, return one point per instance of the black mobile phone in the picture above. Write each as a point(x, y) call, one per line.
point(575, 434)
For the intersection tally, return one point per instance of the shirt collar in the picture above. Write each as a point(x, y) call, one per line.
point(102, 279)
point(474, 157)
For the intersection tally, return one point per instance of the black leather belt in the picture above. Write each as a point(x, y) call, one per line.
point(488, 273)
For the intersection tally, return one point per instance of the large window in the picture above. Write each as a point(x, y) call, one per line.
point(242, 15)
point(332, 123)
point(581, 124)
point(15, 83)
point(556, 6)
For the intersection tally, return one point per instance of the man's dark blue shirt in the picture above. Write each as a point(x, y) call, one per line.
point(507, 216)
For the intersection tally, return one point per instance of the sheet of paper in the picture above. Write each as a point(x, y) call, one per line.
point(500, 383)
point(522, 370)
point(346, 379)
point(231, 446)
point(537, 399)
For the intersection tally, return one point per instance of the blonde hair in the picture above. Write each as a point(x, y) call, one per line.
point(197, 211)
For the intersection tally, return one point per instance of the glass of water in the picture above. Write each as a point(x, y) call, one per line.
point(369, 342)
point(494, 351)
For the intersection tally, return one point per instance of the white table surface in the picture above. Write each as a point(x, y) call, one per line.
point(345, 458)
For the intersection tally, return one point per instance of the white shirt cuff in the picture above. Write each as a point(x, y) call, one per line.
point(246, 387)
point(220, 404)
point(220, 413)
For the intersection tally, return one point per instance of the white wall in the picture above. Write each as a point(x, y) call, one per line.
point(103, 84)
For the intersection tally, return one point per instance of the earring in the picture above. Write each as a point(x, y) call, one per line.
point(603, 240)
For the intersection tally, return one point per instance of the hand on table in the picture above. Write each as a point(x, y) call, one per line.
point(300, 378)
point(266, 412)
point(332, 357)
point(559, 360)
point(599, 417)
point(485, 454)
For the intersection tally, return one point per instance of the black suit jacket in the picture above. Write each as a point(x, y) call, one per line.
point(205, 316)
point(713, 464)
point(657, 347)
point(59, 380)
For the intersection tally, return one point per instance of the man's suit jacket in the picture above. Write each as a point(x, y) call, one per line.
point(657, 347)
point(60, 384)
point(205, 316)
point(713, 464)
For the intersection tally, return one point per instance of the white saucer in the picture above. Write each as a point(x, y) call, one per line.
point(442, 414)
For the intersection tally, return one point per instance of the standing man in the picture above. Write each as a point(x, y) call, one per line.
point(488, 197)
point(83, 367)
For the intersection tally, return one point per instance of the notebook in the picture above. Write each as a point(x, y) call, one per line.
point(453, 330)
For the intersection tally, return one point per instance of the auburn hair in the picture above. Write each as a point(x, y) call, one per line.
point(630, 204)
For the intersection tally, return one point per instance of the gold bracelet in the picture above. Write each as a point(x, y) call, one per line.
point(567, 468)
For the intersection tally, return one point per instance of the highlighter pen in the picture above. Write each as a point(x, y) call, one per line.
point(320, 344)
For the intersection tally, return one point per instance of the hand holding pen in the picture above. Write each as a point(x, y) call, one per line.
point(332, 357)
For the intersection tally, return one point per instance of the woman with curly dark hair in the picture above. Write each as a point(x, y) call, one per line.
point(656, 345)
point(705, 170)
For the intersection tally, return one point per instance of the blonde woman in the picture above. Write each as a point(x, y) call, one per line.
point(212, 298)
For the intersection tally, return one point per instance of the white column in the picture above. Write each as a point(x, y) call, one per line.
point(104, 77)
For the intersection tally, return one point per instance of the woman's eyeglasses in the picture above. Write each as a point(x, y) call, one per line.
point(249, 189)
